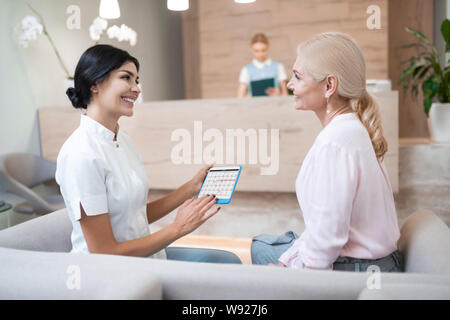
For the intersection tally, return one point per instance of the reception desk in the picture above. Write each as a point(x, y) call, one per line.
point(266, 135)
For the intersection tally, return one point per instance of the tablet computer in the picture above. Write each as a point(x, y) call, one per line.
point(259, 87)
point(221, 182)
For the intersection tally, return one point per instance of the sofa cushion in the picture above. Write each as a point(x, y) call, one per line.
point(50, 232)
point(424, 240)
point(407, 291)
point(45, 275)
point(190, 280)
point(425, 243)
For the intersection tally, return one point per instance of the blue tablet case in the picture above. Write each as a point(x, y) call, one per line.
point(228, 199)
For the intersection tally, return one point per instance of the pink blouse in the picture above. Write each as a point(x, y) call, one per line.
point(346, 199)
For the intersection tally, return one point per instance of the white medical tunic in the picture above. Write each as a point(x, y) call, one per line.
point(105, 176)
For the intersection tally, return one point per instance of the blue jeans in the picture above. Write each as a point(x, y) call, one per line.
point(201, 255)
point(267, 248)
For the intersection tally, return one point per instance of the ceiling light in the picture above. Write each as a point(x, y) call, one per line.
point(109, 9)
point(178, 5)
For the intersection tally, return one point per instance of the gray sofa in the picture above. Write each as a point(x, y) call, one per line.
point(35, 263)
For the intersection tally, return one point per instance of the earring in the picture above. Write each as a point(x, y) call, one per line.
point(327, 96)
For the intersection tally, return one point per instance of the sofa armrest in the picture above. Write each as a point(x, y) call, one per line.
point(425, 243)
point(407, 292)
point(50, 232)
point(63, 276)
point(211, 281)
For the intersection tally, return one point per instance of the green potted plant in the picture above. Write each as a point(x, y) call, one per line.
point(425, 72)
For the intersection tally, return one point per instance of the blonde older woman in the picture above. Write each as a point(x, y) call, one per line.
point(342, 187)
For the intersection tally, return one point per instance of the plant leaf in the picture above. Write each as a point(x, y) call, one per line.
point(429, 88)
point(413, 69)
point(423, 72)
point(419, 35)
point(418, 79)
point(427, 105)
point(412, 45)
point(421, 55)
point(445, 30)
point(407, 71)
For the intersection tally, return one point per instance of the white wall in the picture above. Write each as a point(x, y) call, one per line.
point(448, 9)
point(32, 78)
point(448, 16)
point(441, 11)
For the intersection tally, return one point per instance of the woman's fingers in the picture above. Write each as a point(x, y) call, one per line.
point(209, 166)
point(187, 202)
point(207, 206)
point(203, 201)
point(196, 201)
point(193, 212)
point(208, 215)
point(200, 177)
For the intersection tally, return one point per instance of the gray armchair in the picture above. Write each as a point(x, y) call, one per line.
point(23, 171)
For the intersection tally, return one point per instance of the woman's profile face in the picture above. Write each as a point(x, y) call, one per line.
point(309, 94)
point(119, 91)
point(260, 51)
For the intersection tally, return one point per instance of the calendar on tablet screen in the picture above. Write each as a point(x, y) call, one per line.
point(221, 182)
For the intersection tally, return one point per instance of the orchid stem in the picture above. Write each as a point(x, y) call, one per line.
point(52, 43)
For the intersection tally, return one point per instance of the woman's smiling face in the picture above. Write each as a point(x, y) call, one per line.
point(119, 91)
point(309, 94)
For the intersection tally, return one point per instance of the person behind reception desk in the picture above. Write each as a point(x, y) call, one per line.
point(103, 179)
point(342, 187)
point(263, 76)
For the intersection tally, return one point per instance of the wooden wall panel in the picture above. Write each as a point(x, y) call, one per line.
point(226, 28)
point(417, 14)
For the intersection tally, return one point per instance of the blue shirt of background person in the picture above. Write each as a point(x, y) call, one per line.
point(262, 68)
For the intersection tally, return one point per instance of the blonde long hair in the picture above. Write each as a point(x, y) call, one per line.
point(338, 54)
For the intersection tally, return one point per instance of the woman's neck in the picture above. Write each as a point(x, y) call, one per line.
point(332, 110)
point(106, 120)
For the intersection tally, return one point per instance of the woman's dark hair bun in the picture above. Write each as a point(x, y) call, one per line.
point(75, 98)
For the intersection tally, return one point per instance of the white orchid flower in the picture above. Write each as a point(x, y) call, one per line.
point(124, 33)
point(31, 24)
point(28, 30)
point(97, 27)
